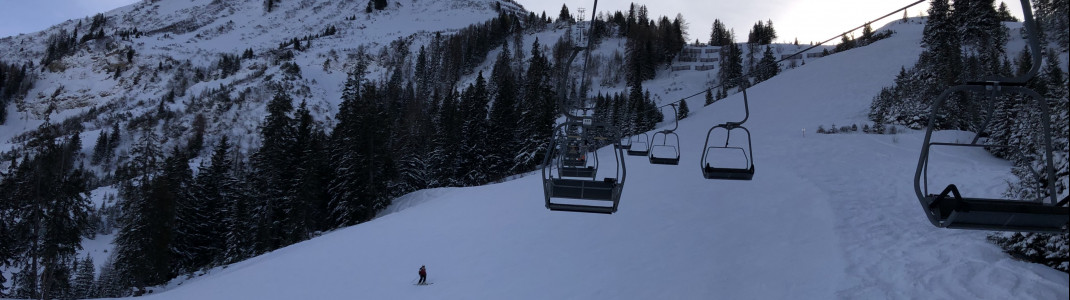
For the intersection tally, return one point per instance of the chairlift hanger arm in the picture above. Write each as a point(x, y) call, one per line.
point(676, 117)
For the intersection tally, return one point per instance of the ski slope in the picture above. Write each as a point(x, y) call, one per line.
point(826, 216)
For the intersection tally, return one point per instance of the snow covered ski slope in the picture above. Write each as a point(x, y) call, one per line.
point(826, 216)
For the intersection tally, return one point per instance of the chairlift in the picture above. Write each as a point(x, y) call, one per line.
point(639, 145)
point(715, 169)
point(573, 163)
point(666, 152)
point(950, 209)
point(625, 143)
point(581, 193)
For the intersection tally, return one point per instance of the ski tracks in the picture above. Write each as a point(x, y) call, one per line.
point(891, 249)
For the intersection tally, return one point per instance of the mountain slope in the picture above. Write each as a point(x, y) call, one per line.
point(826, 216)
point(179, 48)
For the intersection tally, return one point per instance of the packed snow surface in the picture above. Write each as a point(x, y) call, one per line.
point(826, 216)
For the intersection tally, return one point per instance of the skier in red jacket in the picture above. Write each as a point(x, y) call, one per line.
point(423, 275)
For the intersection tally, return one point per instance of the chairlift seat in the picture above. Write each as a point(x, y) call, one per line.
point(577, 172)
point(598, 190)
point(664, 157)
point(950, 210)
point(665, 160)
point(728, 173)
point(639, 146)
point(582, 208)
point(583, 189)
point(633, 151)
point(665, 152)
point(575, 163)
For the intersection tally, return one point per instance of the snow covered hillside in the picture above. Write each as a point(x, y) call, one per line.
point(826, 216)
point(179, 44)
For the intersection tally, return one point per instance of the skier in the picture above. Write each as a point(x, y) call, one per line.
point(423, 275)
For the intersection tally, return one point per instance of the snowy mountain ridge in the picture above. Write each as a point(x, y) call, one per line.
point(178, 39)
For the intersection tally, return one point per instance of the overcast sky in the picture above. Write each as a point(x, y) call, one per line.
point(807, 20)
point(26, 16)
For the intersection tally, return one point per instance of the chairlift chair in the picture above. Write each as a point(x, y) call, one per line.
point(666, 153)
point(573, 155)
point(711, 170)
point(574, 161)
point(950, 209)
point(639, 145)
point(625, 143)
point(590, 195)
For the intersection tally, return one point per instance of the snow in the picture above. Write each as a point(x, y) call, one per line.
point(826, 216)
point(99, 248)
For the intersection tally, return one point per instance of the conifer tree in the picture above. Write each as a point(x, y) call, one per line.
point(359, 153)
point(564, 15)
point(474, 149)
point(144, 239)
point(503, 117)
point(941, 42)
point(108, 283)
point(46, 214)
point(1004, 13)
point(709, 96)
point(767, 67)
point(274, 172)
point(310, 182)
point(445, 159)
point(100, 150)
point(731, 65)
point(199, 217)
point(85, 276)
point(684, 111)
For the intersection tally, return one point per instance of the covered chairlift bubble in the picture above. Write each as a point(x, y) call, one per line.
point(715, 169)
point(666, 150)
point(950, 209)
point(582, 193)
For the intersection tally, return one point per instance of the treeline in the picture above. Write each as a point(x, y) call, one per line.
point(965, 41)
point(735, 72)
point(15, 82)
point(389, 140)
point(848, 42)
point(418, 128)
point(652, 42)
point(43, 215)
point(1017, 122)
point(962, 43)
point(632, 113)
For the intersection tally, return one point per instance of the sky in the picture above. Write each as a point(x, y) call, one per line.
point(27, 16)
point(807, 20)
